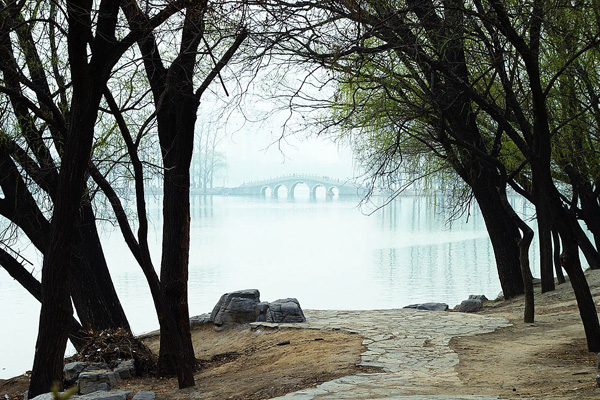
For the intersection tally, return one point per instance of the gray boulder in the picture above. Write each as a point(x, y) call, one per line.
point(285, 310)
point(73, 369)
point(100, 380)
point(236, 307)
point(478, 297)
point(144, 395)
point(429, 306)
point(471, 305)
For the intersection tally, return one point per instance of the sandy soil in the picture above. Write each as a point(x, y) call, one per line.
point(547, 359)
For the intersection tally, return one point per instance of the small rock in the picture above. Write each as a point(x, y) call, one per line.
point(285, 310)
point(597, 381)
point(598, 355)
point(144, 395)
point(100, 380)
point(471, 305)
point(429, 306)
point(478, 297)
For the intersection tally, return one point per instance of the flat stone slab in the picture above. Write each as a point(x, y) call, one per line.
point(410, 346)
point(144, 395)
point(104, 395)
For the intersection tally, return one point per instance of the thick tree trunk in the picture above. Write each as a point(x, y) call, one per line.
point(504, 236)
point(92, 289)
point(56, 313)
point(176, 123)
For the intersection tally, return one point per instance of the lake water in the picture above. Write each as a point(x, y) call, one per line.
point(326, 252)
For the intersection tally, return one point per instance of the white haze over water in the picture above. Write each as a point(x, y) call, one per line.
point(326, 253)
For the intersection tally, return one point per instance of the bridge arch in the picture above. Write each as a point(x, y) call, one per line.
point(313, 190)
point(275, 190)
point(266, 191)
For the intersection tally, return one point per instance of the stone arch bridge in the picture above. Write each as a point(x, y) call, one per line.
point(331, 186)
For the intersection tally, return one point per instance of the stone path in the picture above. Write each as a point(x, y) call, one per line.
point(411, 347)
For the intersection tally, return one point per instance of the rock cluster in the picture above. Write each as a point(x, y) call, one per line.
point(244, 306)
point(96, 379)
point(96, 376)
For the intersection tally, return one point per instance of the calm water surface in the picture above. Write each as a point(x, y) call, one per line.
point(326, 253)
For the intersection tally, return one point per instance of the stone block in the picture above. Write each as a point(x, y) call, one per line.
point(92, 381)
point(236, 308)
point(471, 305)
point(285, 310)
point(73, 369)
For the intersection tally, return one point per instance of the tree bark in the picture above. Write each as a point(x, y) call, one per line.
point(92, 288)
point(176, 124)
point(504, 236)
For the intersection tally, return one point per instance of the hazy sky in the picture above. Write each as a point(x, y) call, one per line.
point(253, 155)
point(251, 143)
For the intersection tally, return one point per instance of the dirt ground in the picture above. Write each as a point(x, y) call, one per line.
point(260, 364)
point(247, 364)
point(547, 359)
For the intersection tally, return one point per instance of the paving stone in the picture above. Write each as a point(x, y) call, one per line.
point(410, 346)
